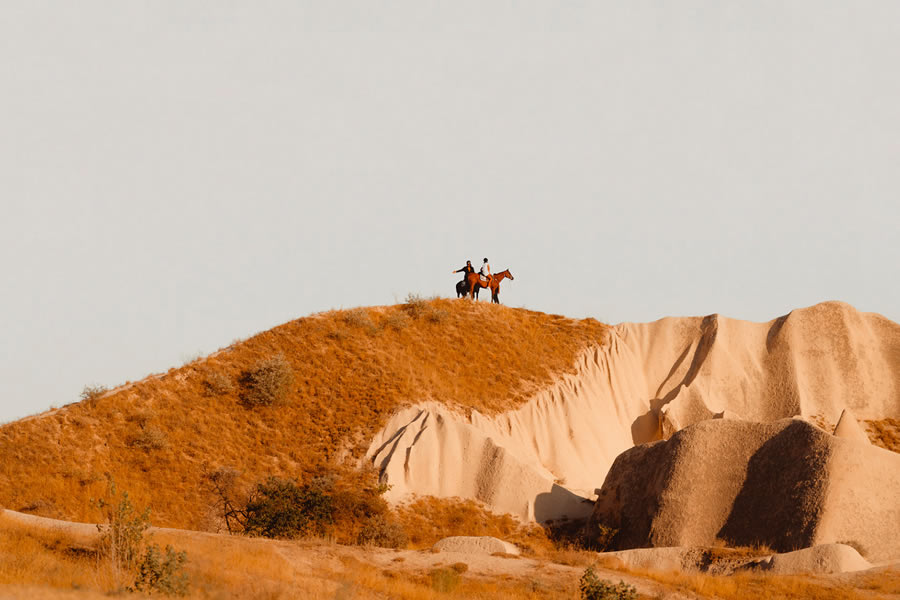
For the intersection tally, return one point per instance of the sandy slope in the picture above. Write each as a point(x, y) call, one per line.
point(544, 459)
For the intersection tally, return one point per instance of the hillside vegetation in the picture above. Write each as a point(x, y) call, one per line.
point(298, 399)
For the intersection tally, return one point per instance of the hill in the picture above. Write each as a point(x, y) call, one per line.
point(543, 459)
point(344, 373)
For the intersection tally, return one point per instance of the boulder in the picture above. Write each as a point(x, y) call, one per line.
point(823, 559)
point(475, 545)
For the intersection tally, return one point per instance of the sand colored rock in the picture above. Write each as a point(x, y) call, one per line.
point(824, 559)
point(786, 484)
point(658, 559)
point(544, 459)
point(475, 545)
point(848, 428)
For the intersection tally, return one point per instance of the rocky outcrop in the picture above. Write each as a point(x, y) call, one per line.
point(785, 484)
point(544, 459)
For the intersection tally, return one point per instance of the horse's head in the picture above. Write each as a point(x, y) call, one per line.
point(508, 274)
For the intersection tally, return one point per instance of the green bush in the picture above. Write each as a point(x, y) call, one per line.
point(268, 382)
point(594, 588)
point(280, 508)
point(163, 573)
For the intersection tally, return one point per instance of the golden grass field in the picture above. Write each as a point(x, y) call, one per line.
point(36, 562)
point(158, 437)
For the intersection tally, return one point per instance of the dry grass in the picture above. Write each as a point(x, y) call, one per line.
point(429, 519)
point(44, 563)
point(884, 433)
point(745, 586)
point(351, 370)
point(55, 565)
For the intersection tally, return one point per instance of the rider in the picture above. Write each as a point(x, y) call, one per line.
point(486, 271)
point(466, 270)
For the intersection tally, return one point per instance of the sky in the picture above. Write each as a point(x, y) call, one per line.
point(175, 175)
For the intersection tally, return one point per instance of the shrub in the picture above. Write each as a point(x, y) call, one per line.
point(581, 534)
point(92, 392)
point(437, 315)
point(280, 508)
point(121, 535)
point(267, 383)
point(397, 321)
point(217, 384)
point(359, 318)
point(163, 573)
point(444, 580)
point(378, 531)
point(149, 438)
point(416, 305)
point(594, 588)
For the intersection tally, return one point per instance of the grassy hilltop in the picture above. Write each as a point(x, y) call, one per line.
point(287, 402)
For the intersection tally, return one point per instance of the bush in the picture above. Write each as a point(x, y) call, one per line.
point(397, 321)
point(92, 392)
point(416, 305)
point(444, 580)
point(122, 532)
point(280, 508)
point(359, 318)
point(163, 573)
point(267, 383)
point(378, 531)
point(594, 588)
point(217, 384)
point(149, 438)
point(600, 537)
point(349, 508)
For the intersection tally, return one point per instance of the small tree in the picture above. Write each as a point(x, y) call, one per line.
point(121, 542)
point(121, 533)
point(223, 482)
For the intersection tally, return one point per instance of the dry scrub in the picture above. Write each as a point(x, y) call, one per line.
point(884, 433)
point(429, 519)
point(349, 370)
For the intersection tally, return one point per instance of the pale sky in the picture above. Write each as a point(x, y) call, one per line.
point(175, 175)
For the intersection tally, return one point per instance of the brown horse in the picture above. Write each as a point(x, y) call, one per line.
point(475, 284)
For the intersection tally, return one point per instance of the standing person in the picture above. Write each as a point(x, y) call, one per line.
point(486, 271)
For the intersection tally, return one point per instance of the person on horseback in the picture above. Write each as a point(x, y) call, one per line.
point(486, 271)
point(466, 269)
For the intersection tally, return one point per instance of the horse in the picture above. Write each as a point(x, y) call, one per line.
point(474, 284)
